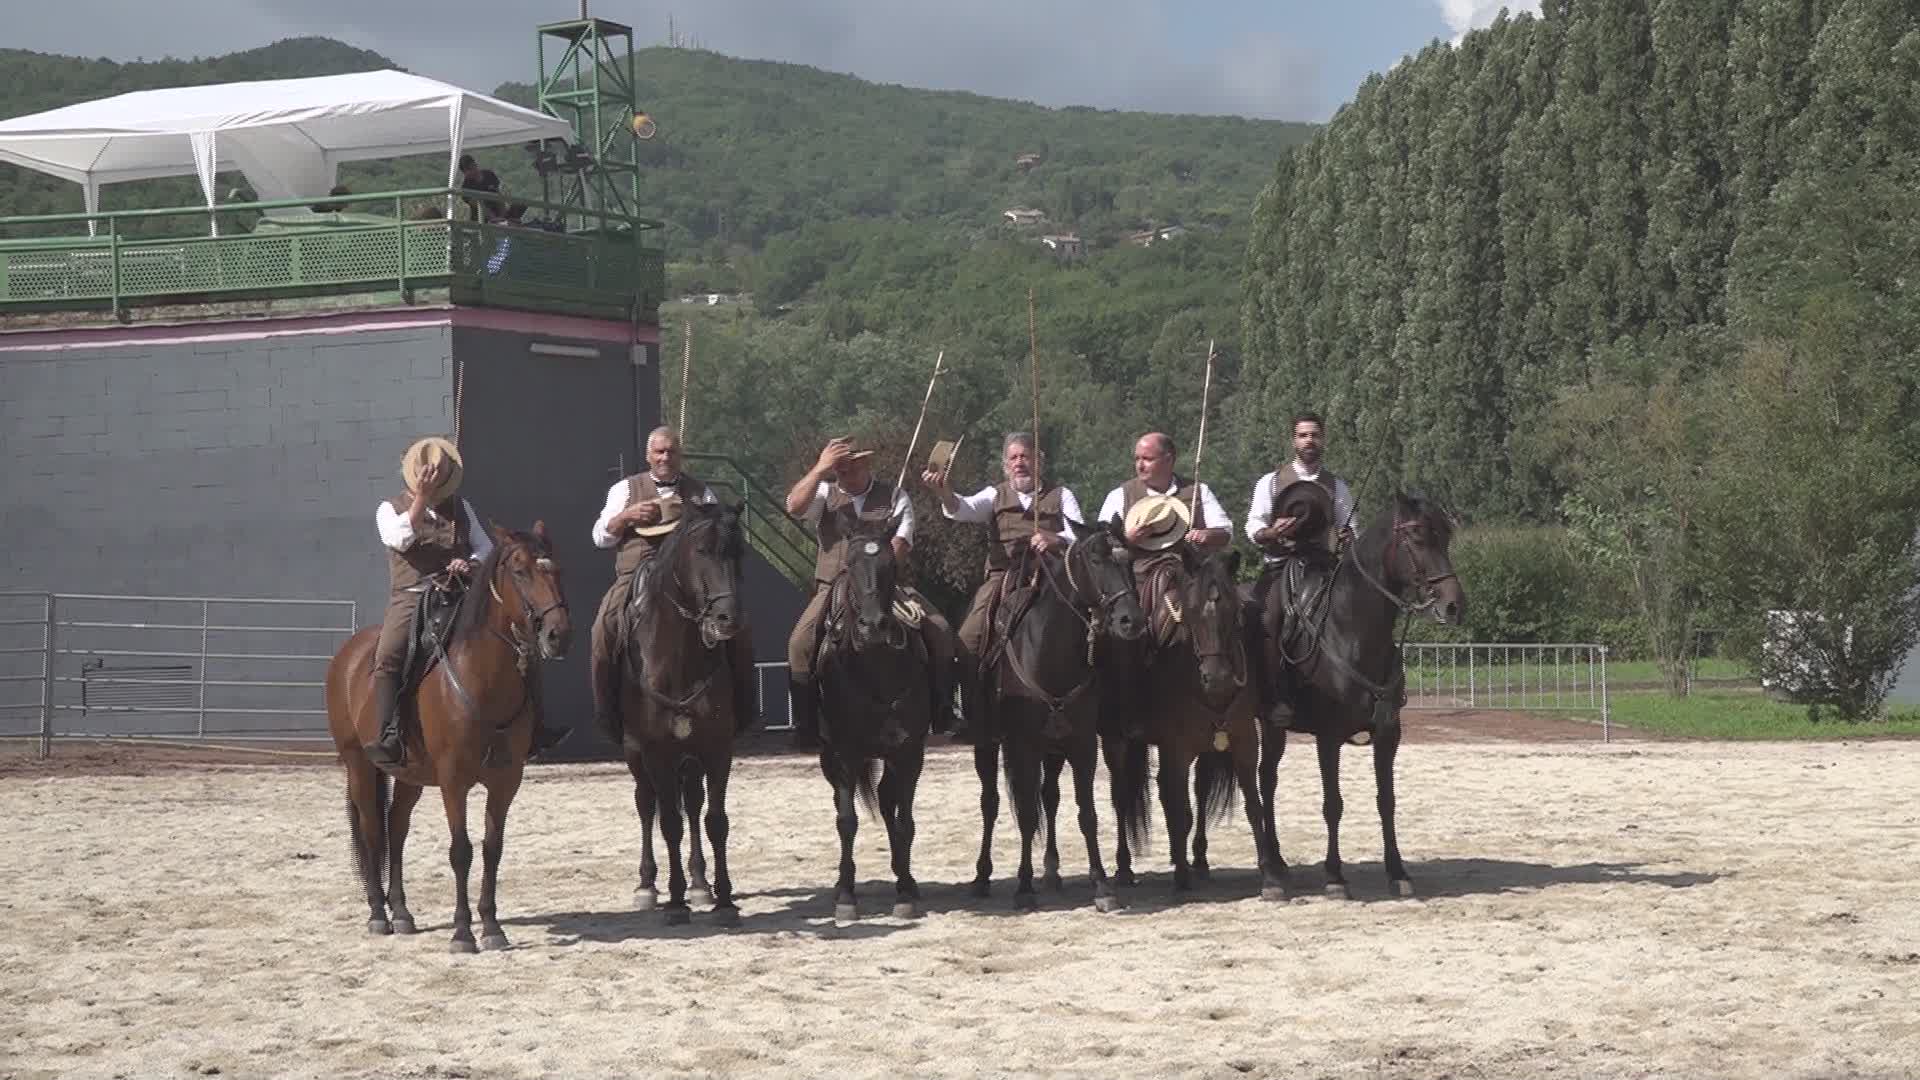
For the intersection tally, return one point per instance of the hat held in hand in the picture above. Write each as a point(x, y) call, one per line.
point(423, 455)
point(1157, 523)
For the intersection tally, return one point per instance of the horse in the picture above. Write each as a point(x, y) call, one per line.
point(1041, 682)
point(1201, 708)
point(877, 706)
point(475, 727)
point(1339, 639)
point(677, 722)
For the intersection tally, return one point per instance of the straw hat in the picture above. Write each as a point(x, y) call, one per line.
point(425, 453)
point(1157, 523)
point(670, 507)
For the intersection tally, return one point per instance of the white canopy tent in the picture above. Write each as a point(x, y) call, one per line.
point(286, 136)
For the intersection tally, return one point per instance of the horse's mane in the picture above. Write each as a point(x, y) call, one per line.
point(477, 604)
point(699, 521)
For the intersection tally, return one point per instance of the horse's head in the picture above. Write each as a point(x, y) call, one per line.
point(1211, 615)
point(524, 569)
point(702, 560)
point(1417, 558)
point(1102, 576)
point(871, 576)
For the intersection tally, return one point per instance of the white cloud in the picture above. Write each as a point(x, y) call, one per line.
point(1465, 15)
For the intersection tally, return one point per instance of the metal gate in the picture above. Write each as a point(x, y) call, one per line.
point(84, 665)
point(1509, 676)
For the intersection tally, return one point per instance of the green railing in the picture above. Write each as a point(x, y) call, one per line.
point(601, 266)
point(782, 541)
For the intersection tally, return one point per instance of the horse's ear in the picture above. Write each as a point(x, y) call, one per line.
point(500, 535)
point(1233, 563)
point(1117, 528)
point(540, 534)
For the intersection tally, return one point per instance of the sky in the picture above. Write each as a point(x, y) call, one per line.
point(1274, 59)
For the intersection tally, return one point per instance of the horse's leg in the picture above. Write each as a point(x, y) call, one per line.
point(647, 896)
point(1050, 799)
point(460, 855)
point(1273, 746)
point(1385, 745)
point(896, 800)
point(666, 786)
point(986, 762)
point(1330, 808)
point(1174, 767)
point(1201, 871)
point(399, 819)
point(1114, 751)
point(499, 801)
point(367, 814)
point(1023, 778)
point(725, 911)
point(847, 818)
point(1273, 873)
point(693, 795)
point(1084, 757)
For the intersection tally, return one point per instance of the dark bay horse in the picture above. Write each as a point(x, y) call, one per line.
point(677, 703)
point(1201, 707)
point(1043, 698)
point(475, 709)
point(876, 703)
point(1339, 638)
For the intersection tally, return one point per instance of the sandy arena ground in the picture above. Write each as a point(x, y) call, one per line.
point(1640, 909)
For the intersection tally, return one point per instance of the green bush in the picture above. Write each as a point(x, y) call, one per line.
point(1526, 584)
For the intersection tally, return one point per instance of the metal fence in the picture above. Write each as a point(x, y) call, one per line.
point(1520, 677)
point(81, 665)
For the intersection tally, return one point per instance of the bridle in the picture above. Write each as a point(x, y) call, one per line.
point(1095, 617)
point(520, 642)
point(895, 636)
point(1425, 582)
point(695, 604)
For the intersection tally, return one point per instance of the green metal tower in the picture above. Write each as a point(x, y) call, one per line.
point(590, 84)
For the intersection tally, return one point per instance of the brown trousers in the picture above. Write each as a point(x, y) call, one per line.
point(390, 652)
point(803, 645)
point(978, 623)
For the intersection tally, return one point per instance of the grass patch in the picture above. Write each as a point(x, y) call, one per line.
point(1713, 714)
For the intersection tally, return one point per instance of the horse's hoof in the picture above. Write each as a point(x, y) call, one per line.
point(1402, 887)
point(646, 899)
point(1273, 892)
point(1125, 880)
point(906, 909)
point(700, 897)
point(379, 927)
point(981, 890)
point(679, 915)
point(1052, 881)
point(1107, 905)
point(845, 914)
point(1026, 901)
point(403, 924)
point(462, 945)
point(728, 916)
point(1201, 872)
point(494, 943)
point(1337, 890)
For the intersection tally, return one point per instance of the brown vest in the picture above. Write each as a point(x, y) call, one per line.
point(635, 549)
point(839, 522)
point(1136, 489)
point(1013, 523)
point(434, 546)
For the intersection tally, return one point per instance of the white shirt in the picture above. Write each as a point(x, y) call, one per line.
point(902, 508)
point(617, 501)
point(977, 508)
point(397, 532)
point(1211, 516)
point(1260, 514)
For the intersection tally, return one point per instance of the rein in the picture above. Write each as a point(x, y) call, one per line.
point(1405, 608)
point(897, 639)
point(1070, 598)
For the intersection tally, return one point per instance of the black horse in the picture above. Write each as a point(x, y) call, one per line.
point(1337, 634)
point(1041, 689)
point(877, 704)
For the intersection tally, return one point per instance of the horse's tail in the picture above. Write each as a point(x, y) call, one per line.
point(382, 798)
point(866, 781)
point(1131, 803)
point(1213, 786)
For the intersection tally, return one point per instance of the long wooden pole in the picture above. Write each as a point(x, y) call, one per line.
point(1200, 445)
point(914, 442)
point(686, 365)
point(1033, 365)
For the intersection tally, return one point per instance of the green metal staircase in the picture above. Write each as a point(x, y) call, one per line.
point(786, 544)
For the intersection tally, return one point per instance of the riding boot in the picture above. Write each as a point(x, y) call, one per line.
point(805, 700)
point(965, 727)
point(1283, 690)
point(606, 695)
point(389, 750)
point(943, 717)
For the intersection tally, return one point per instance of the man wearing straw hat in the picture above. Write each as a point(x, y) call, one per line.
point(1153, 461)
point(640, 512)
point(428, 530)
point(838, 496)
point(1008, 511)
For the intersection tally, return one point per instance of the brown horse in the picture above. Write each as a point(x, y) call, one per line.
point(1339, 639)
point(1200, 704)
point(475, 727)
point(677, 703)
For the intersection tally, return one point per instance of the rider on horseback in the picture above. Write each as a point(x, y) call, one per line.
point(1325, 515)
point(640, 512)
point(838, 496)
point(1007, 510)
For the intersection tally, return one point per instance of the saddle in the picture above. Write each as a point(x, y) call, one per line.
point(1157, 578)
point(1017, 593)
point(1302, 586)
point(433, 616)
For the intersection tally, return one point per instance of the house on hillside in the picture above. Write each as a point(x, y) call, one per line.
point(1149, 236)
point(1027, 162)
point(1064, 245)
point(1023, 216)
